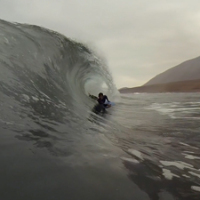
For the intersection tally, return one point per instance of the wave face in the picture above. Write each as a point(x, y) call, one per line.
point(40, 67)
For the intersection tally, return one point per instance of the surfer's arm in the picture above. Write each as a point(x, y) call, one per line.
point(107, 98)
point(99, 101)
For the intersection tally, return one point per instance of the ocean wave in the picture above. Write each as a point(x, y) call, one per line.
point(48, 72)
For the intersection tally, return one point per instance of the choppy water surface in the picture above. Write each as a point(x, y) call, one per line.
point(54, 147)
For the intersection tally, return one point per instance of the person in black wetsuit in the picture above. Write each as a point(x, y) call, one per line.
point(102, 100)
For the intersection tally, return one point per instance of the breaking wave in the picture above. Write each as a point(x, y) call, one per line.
point(48, 72)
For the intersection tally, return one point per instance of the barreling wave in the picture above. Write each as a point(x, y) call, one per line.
point(40, 67)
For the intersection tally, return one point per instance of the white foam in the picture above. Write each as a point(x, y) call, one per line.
point(130, 160)
point(192, 157)
point(196, 188)
point(172, 109)
point(5, 122)
point(184, 175)
point(188, 151)
point(136, 153)
point(187, 145)
point(26, 97)
point(6, 40)
point(164, 111)
point(195, 118)
point(184, 144)
point(178, 164)
point(35, 98)
point(168, 174)
point(169, 109)
point(194, 174)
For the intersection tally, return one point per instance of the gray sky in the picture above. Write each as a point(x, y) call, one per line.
point(139, 39)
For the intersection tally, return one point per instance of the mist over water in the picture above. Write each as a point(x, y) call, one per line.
point(54, 147)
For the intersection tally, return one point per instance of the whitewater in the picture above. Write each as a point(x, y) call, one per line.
point(53, 146)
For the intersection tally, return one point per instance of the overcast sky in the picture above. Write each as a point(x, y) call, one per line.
point(138, 38)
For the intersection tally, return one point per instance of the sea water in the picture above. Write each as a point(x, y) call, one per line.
point(54, 147)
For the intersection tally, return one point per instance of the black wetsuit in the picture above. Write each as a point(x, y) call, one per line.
point(103, 100)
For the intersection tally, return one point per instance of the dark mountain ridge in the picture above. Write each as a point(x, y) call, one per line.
point(184, 77)
point(188, 70)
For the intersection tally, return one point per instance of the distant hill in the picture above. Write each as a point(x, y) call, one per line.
point(188, 70)
point(181, 86)
point(181, 78)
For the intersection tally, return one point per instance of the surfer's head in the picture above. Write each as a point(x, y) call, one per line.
point(100, 95)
